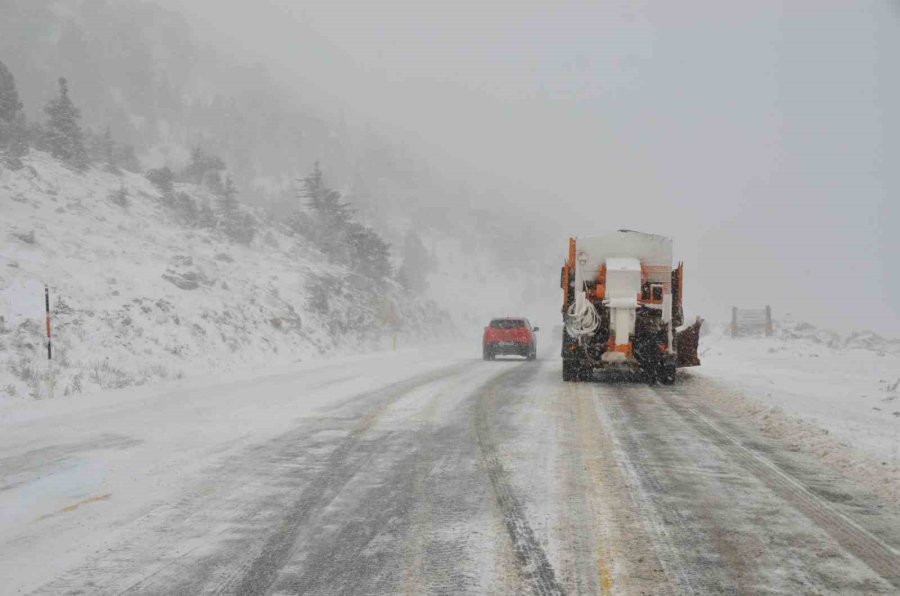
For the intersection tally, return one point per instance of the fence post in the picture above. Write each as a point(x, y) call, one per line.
point(734, 321)
point(768, 320)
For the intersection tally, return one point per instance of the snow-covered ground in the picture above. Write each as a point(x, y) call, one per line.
point(837, 396)
point(138, 296)
point(192, 484)
point(131, 450)
point(176, 349)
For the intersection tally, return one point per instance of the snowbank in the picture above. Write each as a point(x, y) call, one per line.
point(835, 396)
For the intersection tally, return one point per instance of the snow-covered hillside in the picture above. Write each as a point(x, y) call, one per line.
point(136, 296)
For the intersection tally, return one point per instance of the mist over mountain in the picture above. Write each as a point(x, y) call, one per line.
point(138, 69)
point(508, 131)
point(759, 136)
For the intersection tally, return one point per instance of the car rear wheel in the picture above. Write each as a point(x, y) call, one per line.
point(487, 353)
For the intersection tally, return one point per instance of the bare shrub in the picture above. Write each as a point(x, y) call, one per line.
point(102, 373)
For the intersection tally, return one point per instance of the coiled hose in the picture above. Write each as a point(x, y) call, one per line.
point(582, 317)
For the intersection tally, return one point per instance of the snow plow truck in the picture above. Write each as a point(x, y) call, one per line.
point(622, 308)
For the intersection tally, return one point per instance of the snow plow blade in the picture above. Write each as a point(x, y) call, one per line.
point(686, 343)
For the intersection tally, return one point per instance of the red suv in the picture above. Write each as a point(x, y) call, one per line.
point(509, 336)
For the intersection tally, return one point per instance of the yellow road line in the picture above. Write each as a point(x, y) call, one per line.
point(75, 506)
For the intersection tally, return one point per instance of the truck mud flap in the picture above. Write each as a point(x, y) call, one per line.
point(687, 342)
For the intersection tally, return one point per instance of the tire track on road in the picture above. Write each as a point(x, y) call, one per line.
point(879, 556)
point(684, 577)
point(381, 530)
point(722, 533)
point(612, 553)
point(221, 540)
point(531, 556)
point(580, 535)
point(342, 465)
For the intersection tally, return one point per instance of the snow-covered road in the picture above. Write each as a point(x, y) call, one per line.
point(427, 471)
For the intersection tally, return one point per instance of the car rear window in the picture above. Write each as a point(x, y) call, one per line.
point(507, 323)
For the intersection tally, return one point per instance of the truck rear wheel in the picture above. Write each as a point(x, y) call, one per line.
point(571, 371)
point(576, 370)
point(666, 374)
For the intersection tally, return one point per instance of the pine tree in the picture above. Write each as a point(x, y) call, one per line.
point(330, 216)
point(325, 201)
point(162, 179)
point(13, 128)
point(18, 138)
point(9, 96)
point(237, 225)
point(228, 201)
point(369, 254)
point(109, 151)
point(203, 168)
point(206, 217)
point(64, 135)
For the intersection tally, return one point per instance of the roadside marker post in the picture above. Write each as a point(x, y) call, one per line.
point(51, 383)
point(390, 317)
point(47, 310)
point(392, 314)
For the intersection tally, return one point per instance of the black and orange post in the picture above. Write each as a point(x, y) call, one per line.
point(47, 310)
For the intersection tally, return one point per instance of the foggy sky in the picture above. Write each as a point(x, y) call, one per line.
point(763, 136)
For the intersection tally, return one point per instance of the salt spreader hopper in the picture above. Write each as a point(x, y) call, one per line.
point(622, 308)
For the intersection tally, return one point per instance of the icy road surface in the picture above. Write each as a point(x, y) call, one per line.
point(424, 472)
